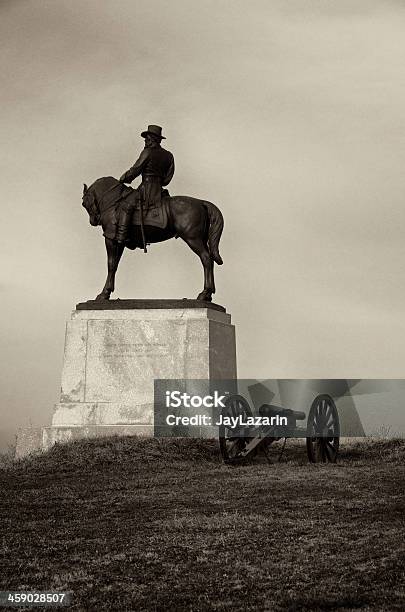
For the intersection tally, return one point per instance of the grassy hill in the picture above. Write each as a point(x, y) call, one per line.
point(145, 524)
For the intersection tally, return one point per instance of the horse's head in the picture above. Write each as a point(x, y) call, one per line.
point(89, 202)
point(96, 199)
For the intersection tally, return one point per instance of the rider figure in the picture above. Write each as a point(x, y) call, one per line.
point(156, 165)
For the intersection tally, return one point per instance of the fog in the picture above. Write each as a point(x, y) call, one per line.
point(289, 115)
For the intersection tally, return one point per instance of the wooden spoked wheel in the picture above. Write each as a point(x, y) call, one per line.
point(323, 430)
point(229, 444)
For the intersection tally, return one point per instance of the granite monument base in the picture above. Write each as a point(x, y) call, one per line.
point(113, 353)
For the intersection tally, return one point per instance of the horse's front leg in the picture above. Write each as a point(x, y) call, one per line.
point(114, 252)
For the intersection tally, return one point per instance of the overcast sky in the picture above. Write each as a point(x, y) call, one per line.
point(288, 114)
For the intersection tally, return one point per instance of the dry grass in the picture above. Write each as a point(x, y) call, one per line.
point(144, 524)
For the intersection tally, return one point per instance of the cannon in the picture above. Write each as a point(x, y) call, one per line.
point(241, 433)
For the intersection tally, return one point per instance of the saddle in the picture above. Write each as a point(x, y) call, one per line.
point(155, 214)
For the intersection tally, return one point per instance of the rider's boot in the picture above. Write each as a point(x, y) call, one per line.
point(123, 225)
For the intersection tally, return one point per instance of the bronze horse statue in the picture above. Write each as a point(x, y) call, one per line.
point(198, 222)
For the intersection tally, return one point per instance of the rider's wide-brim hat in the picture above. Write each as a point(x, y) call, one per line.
point(155, 130)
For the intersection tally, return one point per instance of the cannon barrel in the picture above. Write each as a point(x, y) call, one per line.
point(268, 410)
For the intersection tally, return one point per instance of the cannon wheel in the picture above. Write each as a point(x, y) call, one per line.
point(323, 419)
point(235, 405)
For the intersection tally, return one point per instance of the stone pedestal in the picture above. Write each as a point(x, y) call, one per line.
point(115, 350)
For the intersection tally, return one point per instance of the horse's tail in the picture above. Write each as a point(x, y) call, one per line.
point(216, 225)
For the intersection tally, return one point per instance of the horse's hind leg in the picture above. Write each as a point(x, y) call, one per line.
point(198, 246)
point(114, 252)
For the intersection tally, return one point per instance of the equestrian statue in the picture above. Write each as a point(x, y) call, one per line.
point(135, 218)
